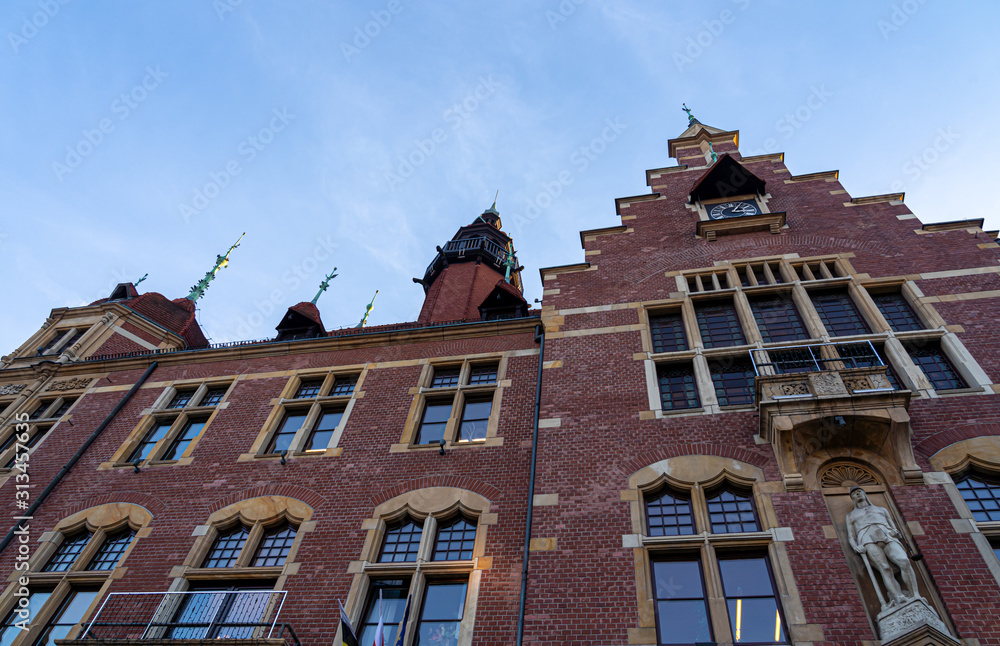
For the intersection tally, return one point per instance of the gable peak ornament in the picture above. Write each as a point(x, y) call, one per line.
point(873, 535)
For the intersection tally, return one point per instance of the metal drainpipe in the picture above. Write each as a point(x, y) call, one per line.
point(540, 338)
point(79, 453)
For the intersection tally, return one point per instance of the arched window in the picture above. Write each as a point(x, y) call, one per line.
point(669, 514)
point(982, 494)
point(731, 511)
point(428, 546)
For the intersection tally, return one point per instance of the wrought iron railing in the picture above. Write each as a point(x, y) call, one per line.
point(199, 615)
point(816, 357)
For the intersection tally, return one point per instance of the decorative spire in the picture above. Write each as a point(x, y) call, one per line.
point(691, 119)
point(493, 209)
point(136, 283)
point(368, 310)
point(323, 285)
point(220, 261)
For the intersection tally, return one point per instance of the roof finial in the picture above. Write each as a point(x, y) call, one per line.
point(220, 261)
point(509, 263)
point(715, 157)
point(323, 285)
point(691, 119)
point(136, 284)
point(368, 310)
point(493, 209)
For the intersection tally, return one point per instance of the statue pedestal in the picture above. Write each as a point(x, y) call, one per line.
point(915, 619)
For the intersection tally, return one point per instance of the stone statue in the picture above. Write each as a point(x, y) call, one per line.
point(874, 536)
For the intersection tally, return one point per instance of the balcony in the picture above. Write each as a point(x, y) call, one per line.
point(832, 400)
point(481, 249)
point(238, 617)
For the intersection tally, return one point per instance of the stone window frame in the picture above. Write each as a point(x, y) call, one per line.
point(316, 406)
point(423, 392)
point(178, 418)
point(259, 514)
point(835, 271)
point(980, 454)
point(60, 339)
point(43, 426)
point(694, 475)
point(100, 521)
point(431, 505)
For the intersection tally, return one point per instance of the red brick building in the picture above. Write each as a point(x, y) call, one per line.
point(726, 370)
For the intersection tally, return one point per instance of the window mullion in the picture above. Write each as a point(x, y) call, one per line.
point(90, 550)
point(250, 546)
point(718, 613)
point(746, 319)
point(699, 509)
point(418, 588)
point(455, 418)
point(427, 539)
point(810, 317)
point(312, 418)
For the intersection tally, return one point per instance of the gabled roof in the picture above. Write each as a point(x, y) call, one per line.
point(503, 294)
point(176, 315)
point(726, 178)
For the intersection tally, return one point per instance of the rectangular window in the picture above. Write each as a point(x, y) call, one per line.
point(10, 630)
point(445, 377)
point(319, 438)
point(181, 399)
point(719, 325)
point(394, 593)
point(155, 434)
point(483, 374)
point(343, 385)
point(441, 616)
point(475, 418)
point(282, 440)
point(678, 389)
point(936, 366)
point(681, 606)
point(72, 612)
point(897, 312)
point(838, 313)
point(777, 319)
point(213, 396)
point(183, 440)
point(308, 388)
point(434, 422)
point(733, 379)
point(753, 609)
point(667, 332)
point(63, 407)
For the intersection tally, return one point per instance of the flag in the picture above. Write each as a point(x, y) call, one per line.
point(402, 626)
point(381, 625)
point(347, 630)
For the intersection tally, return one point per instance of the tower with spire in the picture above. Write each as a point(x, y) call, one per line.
point(475, 276)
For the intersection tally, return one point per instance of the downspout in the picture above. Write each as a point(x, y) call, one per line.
point(540, 339)
point(79, 454)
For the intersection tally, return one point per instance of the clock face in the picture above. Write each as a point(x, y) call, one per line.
point(733, 209)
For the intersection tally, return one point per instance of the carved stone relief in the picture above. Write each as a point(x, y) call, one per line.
point(12, 389)
point(844, 474)
point(69, 384)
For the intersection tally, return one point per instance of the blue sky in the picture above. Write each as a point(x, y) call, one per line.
point(360, 135)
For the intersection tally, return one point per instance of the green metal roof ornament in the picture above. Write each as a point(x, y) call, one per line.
point(323, 285)
point(691, 118)
point(220, 262)
point(368, 310)
point(136, 283)
point(509, 263)
point(711, 148)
